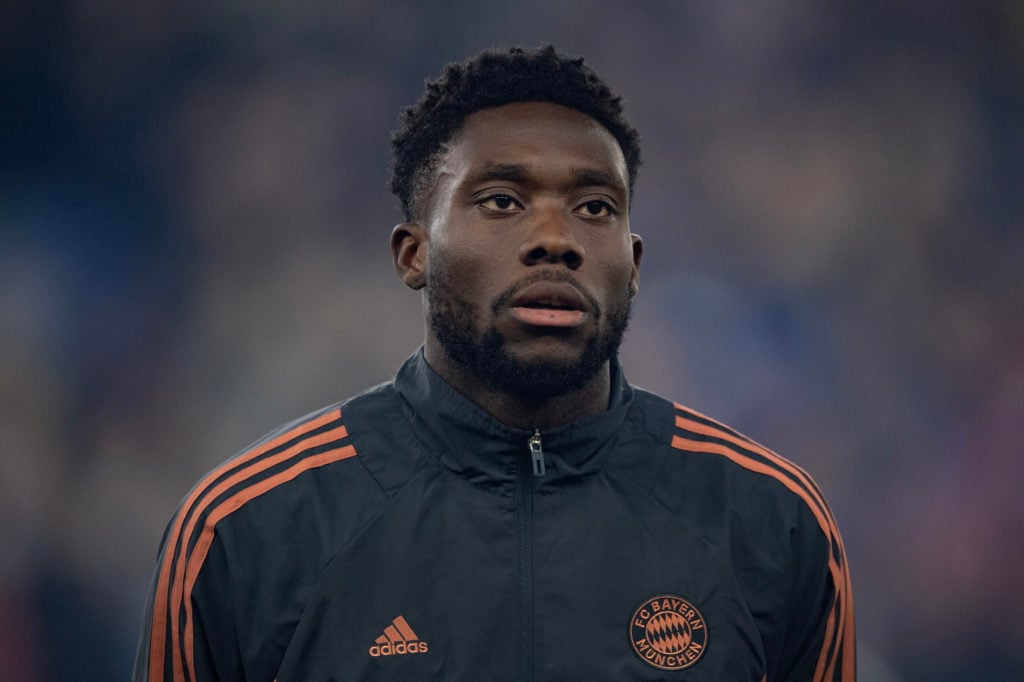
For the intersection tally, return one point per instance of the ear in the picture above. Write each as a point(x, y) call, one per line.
point(638, 254)
point(409, 253)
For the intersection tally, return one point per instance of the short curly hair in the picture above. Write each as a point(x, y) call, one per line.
point(491, 79)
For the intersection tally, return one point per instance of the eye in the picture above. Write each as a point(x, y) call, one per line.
point(499, 202)
point(595, 209)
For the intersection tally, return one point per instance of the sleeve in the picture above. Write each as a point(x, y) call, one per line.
point(208, 604)
point(188, 630)
point(819, 641)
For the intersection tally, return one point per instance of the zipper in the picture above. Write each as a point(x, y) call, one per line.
point(537, 454)
point(530, 468)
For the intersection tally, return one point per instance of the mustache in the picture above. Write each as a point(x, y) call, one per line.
point(504, 298)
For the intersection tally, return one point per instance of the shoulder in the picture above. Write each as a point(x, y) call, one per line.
point(253, 534)
point(740, 494)
point(696, 444)
point(782, 533)
point(711, 473)
point(697, 437)
point(277, 459)
point(306, 473)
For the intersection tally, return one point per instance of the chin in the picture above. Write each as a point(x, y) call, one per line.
point(536, 367)
point(544, 372)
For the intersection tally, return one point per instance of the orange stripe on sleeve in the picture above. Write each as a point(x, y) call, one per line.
point(742, 441)
point(258, 467)
point(838, 640)
point(159, 631)
point(826, 658)
point(781, 462)
point(229, 506)
point(833, 636)
point(758, 467)
point(721, 431)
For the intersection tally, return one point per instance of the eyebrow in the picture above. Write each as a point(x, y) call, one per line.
point(515, 172)
point(587, 177)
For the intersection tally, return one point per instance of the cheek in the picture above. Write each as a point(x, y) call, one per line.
point(467, 271)
point(617, 271)
point(620, 289)
point(463, 268)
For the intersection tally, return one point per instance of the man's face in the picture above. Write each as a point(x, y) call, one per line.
point(530, 264)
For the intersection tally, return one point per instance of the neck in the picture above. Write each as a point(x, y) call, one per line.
point(524, 411)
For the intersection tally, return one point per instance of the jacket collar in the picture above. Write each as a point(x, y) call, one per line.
point(473, 444)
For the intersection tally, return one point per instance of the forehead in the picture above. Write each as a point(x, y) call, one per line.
point(535, 135)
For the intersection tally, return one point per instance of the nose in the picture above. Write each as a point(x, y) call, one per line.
point(550, 239)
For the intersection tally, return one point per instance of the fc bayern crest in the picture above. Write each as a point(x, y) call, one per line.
point(668, 632)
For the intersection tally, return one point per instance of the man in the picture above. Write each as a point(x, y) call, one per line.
point(509, 508)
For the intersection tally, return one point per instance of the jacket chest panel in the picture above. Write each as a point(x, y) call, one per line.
point(433, 589)
point(601, 562)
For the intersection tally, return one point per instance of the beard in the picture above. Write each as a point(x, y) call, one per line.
point(485, 357)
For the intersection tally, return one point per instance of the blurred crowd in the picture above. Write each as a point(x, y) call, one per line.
point(193, 249)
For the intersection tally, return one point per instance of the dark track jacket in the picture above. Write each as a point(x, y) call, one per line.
point(406, 535)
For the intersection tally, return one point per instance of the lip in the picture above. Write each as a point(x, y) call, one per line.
point(550, 304)
point(560, 295)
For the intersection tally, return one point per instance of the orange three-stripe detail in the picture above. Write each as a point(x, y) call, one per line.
point(229, 506)
point(159, 632)
point(804, 487)
point(180, 576)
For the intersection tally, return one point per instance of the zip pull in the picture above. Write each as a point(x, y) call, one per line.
point(537, 454)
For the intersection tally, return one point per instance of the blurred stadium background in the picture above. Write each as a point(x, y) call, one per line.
point(194, 227)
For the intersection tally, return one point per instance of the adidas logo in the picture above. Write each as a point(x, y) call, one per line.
point(398, 639)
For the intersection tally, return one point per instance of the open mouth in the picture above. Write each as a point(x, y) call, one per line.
point(547, 305)
point(547, 295)
point(550, 304)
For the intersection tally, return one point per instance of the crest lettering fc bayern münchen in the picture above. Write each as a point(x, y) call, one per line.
point(668, 632)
